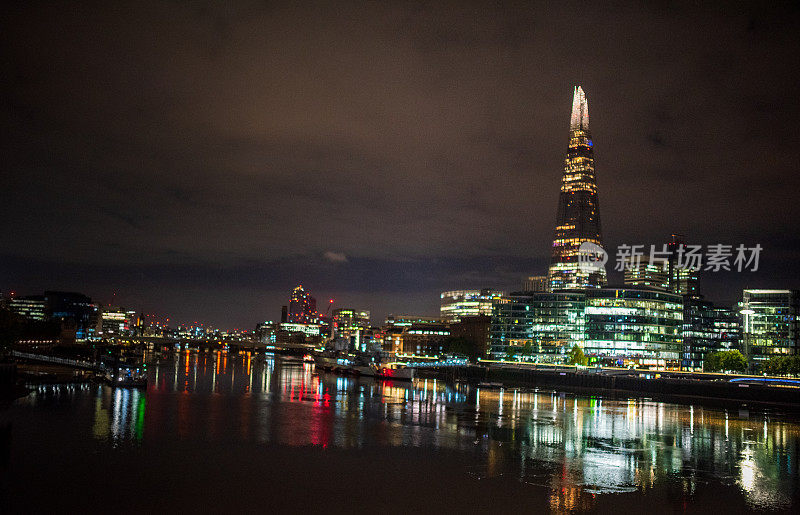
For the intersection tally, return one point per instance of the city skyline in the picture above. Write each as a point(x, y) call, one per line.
point(189, 182)
point(379, 247)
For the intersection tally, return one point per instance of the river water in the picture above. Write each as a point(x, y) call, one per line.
point(218, 433)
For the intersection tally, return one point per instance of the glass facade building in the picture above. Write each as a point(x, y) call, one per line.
point(682, 277)
point(769, 323)
point(614, 326)
point(537, 326)
point(706, 329)
point(578, 215)
point(644, 272)
point(461, 303)
point(639, 325)
point(350, 324)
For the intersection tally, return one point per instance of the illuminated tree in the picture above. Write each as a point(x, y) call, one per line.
point(576, 356)
point(725, 361)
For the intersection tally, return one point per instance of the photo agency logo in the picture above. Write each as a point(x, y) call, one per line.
point(591, 257)
point(711, 258)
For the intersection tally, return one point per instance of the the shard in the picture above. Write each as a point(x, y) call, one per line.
point(578, 217)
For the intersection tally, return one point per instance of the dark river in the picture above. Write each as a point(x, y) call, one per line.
point(214, 433)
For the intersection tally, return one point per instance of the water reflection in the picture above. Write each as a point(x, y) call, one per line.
point(579, 447)
point(119, 413)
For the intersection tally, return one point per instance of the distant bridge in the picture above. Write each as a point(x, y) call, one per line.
point(77, 363)
point(213, 344)
point(168, 341)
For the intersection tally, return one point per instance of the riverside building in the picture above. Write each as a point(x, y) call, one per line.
point(770, 323)
point(537, 326)
point(639, 326)
point(461, 303)
point(614, 326)
point(706, 328)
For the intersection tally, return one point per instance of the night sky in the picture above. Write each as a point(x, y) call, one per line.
point(200, 159)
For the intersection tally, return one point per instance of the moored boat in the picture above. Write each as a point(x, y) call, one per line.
point(333, 361)
point(126, 376)
point(367, 370)
point(398, 371)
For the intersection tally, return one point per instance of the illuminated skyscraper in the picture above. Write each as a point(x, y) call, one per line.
point(578, 217)
point(302, 307)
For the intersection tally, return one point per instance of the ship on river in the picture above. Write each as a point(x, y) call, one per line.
point(125, 373)
point(362, 364)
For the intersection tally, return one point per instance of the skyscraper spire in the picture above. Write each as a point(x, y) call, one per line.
point(580, 110)
point(578, 216)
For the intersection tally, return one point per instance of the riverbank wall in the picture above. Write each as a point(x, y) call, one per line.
point(587, 380)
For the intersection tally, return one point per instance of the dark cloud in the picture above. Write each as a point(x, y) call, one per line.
point(182, 151)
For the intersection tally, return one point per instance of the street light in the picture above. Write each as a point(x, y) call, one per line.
point(746, 314)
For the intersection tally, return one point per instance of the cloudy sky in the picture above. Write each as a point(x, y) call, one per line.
point(202, 158)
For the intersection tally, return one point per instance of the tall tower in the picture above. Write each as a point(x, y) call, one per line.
point(302, 307)
point(578, 217)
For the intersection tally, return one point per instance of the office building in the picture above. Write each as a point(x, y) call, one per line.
point(33, 307)
point(460, 303)
point(635, 325)
point(408, 320)
point(578, 215)
point(346, 319)
point(769, 321)
point(537, 283)
point(614, 326)
point(76, 312)
point(425, 339)
point(117, 321)
point(706, 328)
point(682, 275)
point(642, 271)
point(266, 332)
point(351, 324)
point(391, 338)
point(474, 331)
point(306, 329)
point(537, 326)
